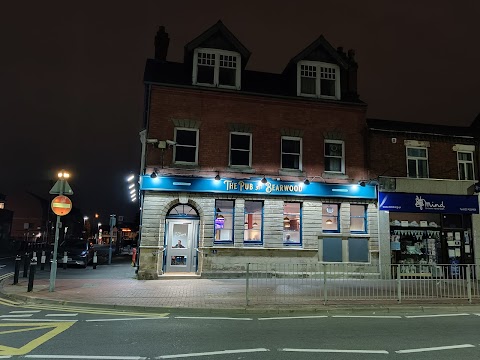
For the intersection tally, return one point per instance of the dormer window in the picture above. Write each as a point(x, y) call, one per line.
point(318, 79)
point(219, 68)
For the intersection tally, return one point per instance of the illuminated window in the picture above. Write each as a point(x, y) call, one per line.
point(224, 215)
point(358, 218)
point(317, 79)
point(330, 218)
point(220, 68)
point(186, 148)
point(334, 156)
point(291, 224)
point(2, 205)
point(291, 153)
point(253, 222)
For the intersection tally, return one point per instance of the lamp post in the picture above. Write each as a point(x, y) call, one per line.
point(63, 207)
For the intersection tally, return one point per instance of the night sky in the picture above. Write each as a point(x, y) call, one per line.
point(71, 74)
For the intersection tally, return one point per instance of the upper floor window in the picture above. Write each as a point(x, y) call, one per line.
point(2, 205)
point(465, 165)
point(213, 67)
point(291, 224)
point(253, 222)
point(417, 162)
point(317, 79)
point(240, 149)
point(334, 156)
point(224, 215)
point(186, 148)
point(358, 218)
point(291, 153)
point(330, 218)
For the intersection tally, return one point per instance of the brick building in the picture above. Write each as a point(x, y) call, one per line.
point(245, 166)
point(428, 201)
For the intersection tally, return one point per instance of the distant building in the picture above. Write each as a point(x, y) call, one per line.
point(6, 217)
point(245, 166)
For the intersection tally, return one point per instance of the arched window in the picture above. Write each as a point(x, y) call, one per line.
point(183, 210)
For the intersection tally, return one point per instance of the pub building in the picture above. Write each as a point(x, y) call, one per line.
point(212, 227)
point(241, 166)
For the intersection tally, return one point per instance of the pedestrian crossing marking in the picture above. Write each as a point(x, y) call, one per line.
point(56, 328)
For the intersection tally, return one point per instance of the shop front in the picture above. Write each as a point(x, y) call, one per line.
point(205, 226)
point(427, 230)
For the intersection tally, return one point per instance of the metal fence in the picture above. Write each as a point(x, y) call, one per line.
point(318, 283)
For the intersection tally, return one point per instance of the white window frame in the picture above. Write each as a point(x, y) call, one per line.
point(294, 138)
point(416, 158)
point(230, 150)
point(318, 66)
point(217, 53)
point(472, 163)
point(343, 156)
point(176, 145)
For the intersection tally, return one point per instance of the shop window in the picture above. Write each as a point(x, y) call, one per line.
point(291, 224)
point(186, 149)
point(358, 218)
point(465, 165)
point(291, 153)
point(332, 249)
point(224, 215)
point(253, 225)
point(334, 156)
point(330, 218)
point(357, 250)
point(240, 149)
point(417, 162)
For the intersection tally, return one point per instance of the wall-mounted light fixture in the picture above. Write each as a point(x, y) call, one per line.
point(217, 177)
point(264, 180)
point(306, 181)
point(329, 222)
point(154, 173)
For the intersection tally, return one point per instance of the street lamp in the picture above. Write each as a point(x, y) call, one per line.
point(85, 218)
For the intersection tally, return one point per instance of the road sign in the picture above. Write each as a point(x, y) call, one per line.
point(61, 205)
point(57, 188)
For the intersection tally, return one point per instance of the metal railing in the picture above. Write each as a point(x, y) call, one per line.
point(322, 283)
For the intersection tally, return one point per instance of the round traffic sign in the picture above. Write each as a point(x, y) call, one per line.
point(61, 205)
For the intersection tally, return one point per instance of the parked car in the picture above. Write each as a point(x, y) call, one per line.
point(79, 252)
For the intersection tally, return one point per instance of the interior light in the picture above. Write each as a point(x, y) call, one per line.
point(131, 186)
point(329, 222)
point(131, 177)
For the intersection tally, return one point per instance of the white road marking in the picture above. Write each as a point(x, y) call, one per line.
point(85, 357)
point(210, 318)
point(24, 311)
point(39, 320)
point(129, 319)
point(293, 317)
point(407, 351)
point(2, 266)
point(61, 314)
point(336, 351)
point(240, 351)
point(437, 315)
point(368, 316)
point(16, 316)
point(5, 356)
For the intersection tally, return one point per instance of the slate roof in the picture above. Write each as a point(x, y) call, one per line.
point(421, 128)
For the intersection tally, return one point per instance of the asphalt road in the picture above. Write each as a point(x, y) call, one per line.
point(56, 332)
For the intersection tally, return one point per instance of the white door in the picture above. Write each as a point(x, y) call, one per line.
point(181, 249)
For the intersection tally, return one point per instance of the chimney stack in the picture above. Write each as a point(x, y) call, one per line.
point(161, 44)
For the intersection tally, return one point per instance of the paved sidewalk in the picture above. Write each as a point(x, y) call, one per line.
point(115, 286)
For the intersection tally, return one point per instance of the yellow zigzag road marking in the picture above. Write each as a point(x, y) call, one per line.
point(8, 302)
point(92, 310)
point(25, 349)
point(6, 276)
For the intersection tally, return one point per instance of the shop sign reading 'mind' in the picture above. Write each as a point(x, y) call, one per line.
point(432, 203)
point(271, 187)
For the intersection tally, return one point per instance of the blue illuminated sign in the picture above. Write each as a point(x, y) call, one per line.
point(255, 186)
point(430, 203)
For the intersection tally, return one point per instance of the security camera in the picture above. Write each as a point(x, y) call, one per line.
point(171, 143)
point(152, 141)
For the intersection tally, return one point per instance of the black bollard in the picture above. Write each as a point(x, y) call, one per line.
point(65, 260)
point(42, 261)
point(94, 261)
point(31, 276)
point(26, 263)
point(18, 261)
